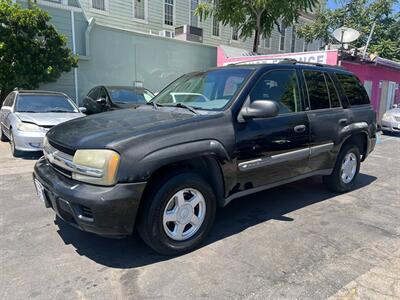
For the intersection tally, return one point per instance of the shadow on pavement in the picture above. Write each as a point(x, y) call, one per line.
point(239, 215)
point(31, 155)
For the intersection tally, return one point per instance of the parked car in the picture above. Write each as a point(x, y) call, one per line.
point(106, 98)
point(391, 120)
point(240, 130)
point(26, 116)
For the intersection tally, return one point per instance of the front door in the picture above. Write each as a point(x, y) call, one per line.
point(273, 149)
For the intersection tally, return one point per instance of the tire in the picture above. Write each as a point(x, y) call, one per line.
point(161, 202)
point(14, 152)
point(338, 181)
point(3, 137)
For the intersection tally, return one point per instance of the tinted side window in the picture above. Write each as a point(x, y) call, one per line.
point(333, 95)
point(353, 89)
point(280, 86)
point(317, 89)
point(94, 93)
point(9, 100)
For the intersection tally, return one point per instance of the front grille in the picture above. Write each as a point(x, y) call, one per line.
point(64, 172)
point(86, 212)
point(61, 148)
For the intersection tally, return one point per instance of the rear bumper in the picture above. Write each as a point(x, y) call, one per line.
point(107, 211)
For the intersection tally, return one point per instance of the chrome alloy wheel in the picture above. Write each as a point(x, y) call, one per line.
point(349, 167)
point(184, 214)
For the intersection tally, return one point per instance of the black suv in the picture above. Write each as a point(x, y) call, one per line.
point(206, 139)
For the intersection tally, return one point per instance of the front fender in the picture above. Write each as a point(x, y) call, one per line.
point(169, 155)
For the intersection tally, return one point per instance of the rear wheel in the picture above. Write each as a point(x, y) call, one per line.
point(177, 214)
point(345, 171)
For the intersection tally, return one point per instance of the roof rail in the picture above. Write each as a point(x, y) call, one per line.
point(295, 62)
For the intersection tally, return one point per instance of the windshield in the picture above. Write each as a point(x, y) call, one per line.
point(44, 103)
point(130, 96)
point(210, 90)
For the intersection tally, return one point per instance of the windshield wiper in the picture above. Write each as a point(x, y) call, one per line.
point(181, 105)
point(152, 103)
point(59, 110)
point(27, 111)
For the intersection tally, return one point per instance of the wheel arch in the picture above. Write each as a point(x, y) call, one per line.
point(361, 140)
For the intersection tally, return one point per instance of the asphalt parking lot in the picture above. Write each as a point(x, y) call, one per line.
point(295, 241)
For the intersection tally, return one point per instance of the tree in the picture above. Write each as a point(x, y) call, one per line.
point(31, 50)
point(360, 15)
point(254, 17)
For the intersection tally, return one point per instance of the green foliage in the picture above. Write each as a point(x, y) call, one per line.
point(360, 15)
point(31, 50)
point(255, 17)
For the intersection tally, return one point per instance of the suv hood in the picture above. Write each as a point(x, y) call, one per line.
point(100, 130)
point(47, 119)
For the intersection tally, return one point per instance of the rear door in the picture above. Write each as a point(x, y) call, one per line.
point(326, 115)
point(274, 149)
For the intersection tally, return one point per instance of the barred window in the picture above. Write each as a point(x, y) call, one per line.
point(305, 46)
point(194, 20)
point(235, 34)
point(267, 42)
point(169, 12)
point(282, 39)
point(215, 23)
point(99, 4)
point(139, 9)
point(293, 44)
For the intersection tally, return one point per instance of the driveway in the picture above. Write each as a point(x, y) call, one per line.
point(295, 241)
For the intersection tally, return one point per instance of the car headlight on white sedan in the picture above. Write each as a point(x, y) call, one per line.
point(29, 127)
point(96, 166)
point(387, 118)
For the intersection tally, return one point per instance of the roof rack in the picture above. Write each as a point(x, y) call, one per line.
point(295, 62)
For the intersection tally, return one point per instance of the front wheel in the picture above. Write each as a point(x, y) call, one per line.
point(345, 171)
point(177, 214)
point(14, 151)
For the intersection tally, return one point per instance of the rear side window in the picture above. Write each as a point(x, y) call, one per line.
point(333, 94)
point(280, 86)
point(317, 89)
point(94, 94)
point(353, 89)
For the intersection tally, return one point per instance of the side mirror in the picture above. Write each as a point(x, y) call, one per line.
point(101, 100)
point(259, 109)
point(83, 110)
point(395, 106)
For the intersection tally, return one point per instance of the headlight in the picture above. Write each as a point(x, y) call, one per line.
point(96, 166)
point(28, 127)
point(387, 118)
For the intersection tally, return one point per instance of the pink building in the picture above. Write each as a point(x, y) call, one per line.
point(380, 77)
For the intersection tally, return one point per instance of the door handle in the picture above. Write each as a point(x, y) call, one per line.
point(300, 128)
point(343, 121)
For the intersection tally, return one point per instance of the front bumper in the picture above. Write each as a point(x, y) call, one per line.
point(392, 126)
point(28, 141)
point(107, 211)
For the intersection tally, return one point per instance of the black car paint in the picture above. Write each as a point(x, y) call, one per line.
point(246, 156)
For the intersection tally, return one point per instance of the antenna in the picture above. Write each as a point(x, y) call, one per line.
point(345, 35)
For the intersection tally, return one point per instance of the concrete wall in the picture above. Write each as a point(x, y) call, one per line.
point(121, 57)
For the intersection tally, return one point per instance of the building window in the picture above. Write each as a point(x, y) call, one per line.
point(305, 46)
point(215, 23)
point(169, 12)
point(235, 34)
point(140, 9)
point(194, 20)
point(267, 42)
point(293, 43)
point(282, 38)
point(99, 4)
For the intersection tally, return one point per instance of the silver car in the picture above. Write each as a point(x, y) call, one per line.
point(391, 120)
point(26, 116)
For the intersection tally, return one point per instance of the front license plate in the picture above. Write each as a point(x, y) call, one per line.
point(40, 190)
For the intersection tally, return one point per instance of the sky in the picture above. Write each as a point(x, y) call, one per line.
point(333, 4)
